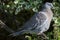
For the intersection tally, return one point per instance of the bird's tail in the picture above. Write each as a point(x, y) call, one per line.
point(20, 33)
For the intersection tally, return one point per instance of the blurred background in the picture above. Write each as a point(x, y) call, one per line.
point(14, 13)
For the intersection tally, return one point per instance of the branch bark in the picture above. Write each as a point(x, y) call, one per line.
point(3, 25)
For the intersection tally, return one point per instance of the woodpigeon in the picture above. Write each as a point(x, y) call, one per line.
point(39, 22)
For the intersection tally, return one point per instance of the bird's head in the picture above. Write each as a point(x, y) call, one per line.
point(48, 5)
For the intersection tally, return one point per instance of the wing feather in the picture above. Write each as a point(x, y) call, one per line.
point(36, 20)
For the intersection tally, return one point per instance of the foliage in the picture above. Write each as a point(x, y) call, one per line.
point(56, 19)
point(20, 11)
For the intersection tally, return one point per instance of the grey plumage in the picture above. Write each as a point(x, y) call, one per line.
point(39, 22)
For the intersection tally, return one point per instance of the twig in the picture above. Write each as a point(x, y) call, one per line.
point(3, 25)
point(43, 36)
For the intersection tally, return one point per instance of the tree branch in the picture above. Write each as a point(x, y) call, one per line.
point(3, 25)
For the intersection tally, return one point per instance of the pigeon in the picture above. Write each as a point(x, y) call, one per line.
point(39, 22)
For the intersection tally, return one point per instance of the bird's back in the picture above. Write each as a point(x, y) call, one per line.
point(36, 20)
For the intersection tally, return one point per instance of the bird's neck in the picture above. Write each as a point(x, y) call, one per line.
point(45, 9)
point(48, 10)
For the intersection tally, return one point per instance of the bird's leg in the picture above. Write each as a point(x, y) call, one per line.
point(3, 25)
point(43, 36)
